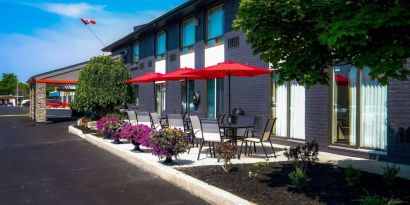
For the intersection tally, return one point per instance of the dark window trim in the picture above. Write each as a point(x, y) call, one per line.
point(219, 39)
point(191, 47)
point(160, 56)
point(132, 51)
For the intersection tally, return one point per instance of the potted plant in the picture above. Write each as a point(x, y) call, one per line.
point(110, 128)
point(137, 135)
point(168, 142)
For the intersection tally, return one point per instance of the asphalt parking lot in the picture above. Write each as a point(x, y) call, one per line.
point(44, 164)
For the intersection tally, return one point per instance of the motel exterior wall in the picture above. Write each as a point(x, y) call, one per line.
point(254, 95)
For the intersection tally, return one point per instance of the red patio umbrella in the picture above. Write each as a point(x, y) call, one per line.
point(181, 74)
point(229, 69)
point(147, 78)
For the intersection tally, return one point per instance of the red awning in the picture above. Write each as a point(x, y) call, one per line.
point(180, 74)
point(55, 81)
point(341, 80)
point(146, 78)
point(229, 68)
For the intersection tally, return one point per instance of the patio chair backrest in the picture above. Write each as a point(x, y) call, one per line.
point(176, 121)
point(155, 120)
point(132, 116)
point(221, 119)
point(268, 129)
point(196, 126)
point(144, 119)
point(248, 120)
point(211, 131)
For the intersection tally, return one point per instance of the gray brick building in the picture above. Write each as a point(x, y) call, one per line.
point(353, 115)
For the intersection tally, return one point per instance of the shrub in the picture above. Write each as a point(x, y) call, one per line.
point(299, 178)
point(168, 142)
point(302, 155)
point(390, 174)
point(261, 164)
point(375, 200)
point(84, 121)
point(353, 176)
point(227, 151)
point(253, 175)
point(101, 86)
point(117, 115)
point(136, 134)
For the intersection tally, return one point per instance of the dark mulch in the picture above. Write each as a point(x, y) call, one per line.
point(85, 130)
point(273, 186)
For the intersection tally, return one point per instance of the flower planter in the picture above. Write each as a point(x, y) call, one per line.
point(137, 147)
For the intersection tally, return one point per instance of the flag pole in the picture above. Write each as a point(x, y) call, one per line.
point(95, 35)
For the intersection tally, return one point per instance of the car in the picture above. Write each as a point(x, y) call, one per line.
point(25, 103)
point(56, 103)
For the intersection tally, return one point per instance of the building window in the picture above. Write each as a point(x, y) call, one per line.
point(215, 90)
point(191, 90)
point(288, 107)
point(359, 111)
point(136, 52)
point(215, 26)
point(161, 45)
point(188, 36)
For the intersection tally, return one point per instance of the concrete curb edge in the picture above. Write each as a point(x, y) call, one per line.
point(209, 193)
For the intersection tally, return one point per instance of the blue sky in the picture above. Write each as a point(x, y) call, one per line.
point(37, 36)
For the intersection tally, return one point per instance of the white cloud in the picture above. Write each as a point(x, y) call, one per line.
point(74, 10)
point(65, 43)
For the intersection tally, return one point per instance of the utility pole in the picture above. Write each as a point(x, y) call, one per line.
point(17, 94)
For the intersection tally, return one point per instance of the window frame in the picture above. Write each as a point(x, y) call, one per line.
point(160, 56)
point(191, 46)
point(219, 40)
point(331, 91)
point(135, 61)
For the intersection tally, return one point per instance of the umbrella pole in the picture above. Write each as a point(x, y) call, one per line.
point(186, 96)
point(229, 97)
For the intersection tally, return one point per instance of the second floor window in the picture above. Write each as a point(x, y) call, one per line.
point(188, 36)
point(161, 45)
point(136, 52)
point(215, 26)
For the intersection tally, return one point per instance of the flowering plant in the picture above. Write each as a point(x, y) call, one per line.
point(168, 142)
point(136, 134)
point(110, 127)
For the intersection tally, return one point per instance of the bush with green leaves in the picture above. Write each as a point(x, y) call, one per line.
point(226, 151)
point(390, 174)
point(375, 200)
point(301, 156)
point(302, 39)
point(353, 176)
point(101, 86)
point(299, 178)
point(261, 164)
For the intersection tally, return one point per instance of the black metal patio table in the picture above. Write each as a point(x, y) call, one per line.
point(233, 130)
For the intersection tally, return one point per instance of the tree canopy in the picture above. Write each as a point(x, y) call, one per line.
point(101, 86)
point(303, 38)
point(8, 85)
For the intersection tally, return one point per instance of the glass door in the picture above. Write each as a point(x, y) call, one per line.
point(160, 98)
point(297, 111)
point(215, 89)
point(344, 105)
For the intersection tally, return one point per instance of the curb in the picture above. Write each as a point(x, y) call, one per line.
point(211, 194)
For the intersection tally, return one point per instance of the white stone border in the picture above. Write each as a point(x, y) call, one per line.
point(211, 194)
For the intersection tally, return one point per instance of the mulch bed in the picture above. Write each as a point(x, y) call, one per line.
point(85, 130)
point(272, 185)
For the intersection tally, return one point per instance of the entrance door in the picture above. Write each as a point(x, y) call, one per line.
point(160, 98)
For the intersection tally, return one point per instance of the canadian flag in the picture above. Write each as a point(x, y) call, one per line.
point(87, 21)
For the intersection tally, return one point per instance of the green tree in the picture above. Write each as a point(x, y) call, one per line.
point(8, 84)
point(101, 86)
point(303, 38)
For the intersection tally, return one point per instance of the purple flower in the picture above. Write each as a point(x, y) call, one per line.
point(168, 142)
point(136, 133)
